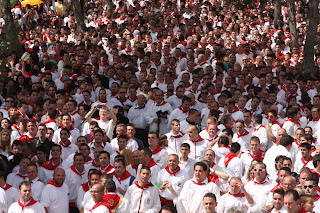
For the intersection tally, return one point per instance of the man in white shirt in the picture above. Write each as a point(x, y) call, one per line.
point(237, 196)
point(174, 175)
point(292, 202)
point(260, 131)
point(273, 126)
point(67, 123)
point(122, 178)
point(8, 194)
point(253, 153)
point(186, 164)
point(306, 158)
point(259, 188)
point(194, 189)
point(197, 144)
point(26, 203)
point(231, 163)
point(97, 204)
point(142, 195)
point(233, 110)
point(54, 196)
point(121, 129)
point(181, 112)
point(189, 121)
point(36, 184)
point(175, 137)
point(119, 204)
point(242, 136)
point(159, 155)
point(75, 176)
point(292, 123)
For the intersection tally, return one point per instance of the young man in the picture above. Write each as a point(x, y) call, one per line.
point(143, 195)
point(277, 201)
point(67, 123)
point(36, 184)
point(26, 203)
point(197, 144)
point(260, 131)
point(253, 153)
point(122, 178)
point(67, 147)
point(306, 158)
point(292, 202)
point(146, 160)
point(186, 164)
point(8, 194)
point(231, 164)
point(242, 136)
point(175, 137)
point(119, 204)
point(104, 160)
point(159, 155)
point(15, 178)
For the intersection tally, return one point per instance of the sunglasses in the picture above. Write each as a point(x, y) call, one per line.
point(308, 186)
point(259, 170)
point(278, 162)
point(271, 116)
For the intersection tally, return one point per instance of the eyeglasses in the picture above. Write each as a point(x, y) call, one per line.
point(259, 170)
point(308, 186)
point(95, 192)
point(271, 116)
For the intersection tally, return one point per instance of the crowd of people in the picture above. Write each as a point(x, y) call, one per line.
point(159, 106)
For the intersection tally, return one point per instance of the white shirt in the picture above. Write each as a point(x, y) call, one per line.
point(74, 134)
point(68, 150)
point(46, 175)
point(14, 179)
point(55, 199)
point(178, 114)
point(131, 144)
point(234, 167)
point(36, 188)
point(177, 181)
point(174, 101)
point(35, 208)
point(290, 127)
point(188, 167)
point(246, 159)
point(11, 194)
point(125, 183)
point(154, 172)
point(300, 163)
point(243, 139)
point(192, 194)
point(175, 141)
point(99, 209)
point(262, 134)
point(146, 200)
point(137, 118)
point(228, 200)
point(74, 179)
point(197, 148)
point(160, 157)
point(259, 193)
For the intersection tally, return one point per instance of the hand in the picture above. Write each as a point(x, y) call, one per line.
point(240, 184)
point(95, 106)
point(115, 110)
point(268, 127)
point(167, 184)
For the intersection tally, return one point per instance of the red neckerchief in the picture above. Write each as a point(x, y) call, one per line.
point(94, 164)
point(184, 111)
point(260, 155)
point(256, 129)
point(25, 138)
point(156, 150)
point(276, 122)
point(49, 121)
point(298, 144)
point(210, 140)
point(134, 167)
point(201, 101)
point(143, 188)
point(133, 100)
point(263, 182)
point(244, 134)
point(125, 176)
point(237, 195)
point(75, 112)
point(100, 203)
point(22, 176)
point(178, 136)
point(161, 104)
point(236, 109)
point(65, 145)
point(200, 184)
point(6, 187)
point(228, 158)
point(29, 203)
point(34, 119)
point(305, 163)
point(73, 168)
point(112, 201)
point(52, 182)
point(48, 164)
point(199, 139)
point(85, 186)
point(102, 101)
point(276, 187)
point(172, 173)
point(71, 128)
point(316, 119)
point(293, 121)
point(151, 163)
point(108, 169)
point(89, 159)
point(317, 197)
point(227, 127)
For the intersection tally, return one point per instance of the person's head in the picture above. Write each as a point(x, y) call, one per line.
point(119, 167)
point(122, 142)
point(145, 175)
point(59, 176)
point(316, 160)
point(311, 186)
point(79, 161)
point(257, 119)
point(291, 201)
point(185, 149)
point(97, 192)
point(209, 155)
point(64, 135)
point(235, 148)
point(104, 159)
point(193, 132)
point(98, 136)
point(200, 171)
point(286, 141)
point(260, 172)
point(94, 176)
point(305, 173)
point(305, 149)
point(254, 144)
point(209, 202)
point(168, 209)
point(173, 162)
point(307, 202)
point(235, 185)
point(277, 198)
point(32, 171)
point(145, 156)
point(283, 172)
point(153, 139)
point(175, 125)
point(109, 186)
point(25, 191)
point(289, 182)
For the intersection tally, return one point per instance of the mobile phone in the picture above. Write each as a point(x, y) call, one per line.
point(99, 106)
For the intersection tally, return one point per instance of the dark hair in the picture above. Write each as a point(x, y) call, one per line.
point(292, 192)
point(105, 152)
point(202, 164)
point(185, 145)
point(235, 147)
point(224, 140)
point(110, 185)
point(286, 140)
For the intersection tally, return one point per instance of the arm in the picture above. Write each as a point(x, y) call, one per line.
point(222, 175)
point(270, 134)
point(45, 208)
point(213, 143)
point(90, 113)
point(248, 196)
point(112, 115)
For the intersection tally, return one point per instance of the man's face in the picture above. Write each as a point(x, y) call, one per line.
point(78, 162)
point(176, 126)
point(209, 204)
point(173, 162)
point(271, 118)
point(254, 145)
point(66, 121)
point(84, 150)
point(122, 143)
point(95, 178)
point(303, 176)
point(98, 137)
point(209, 155)
point(310, 188)
point(291, 205)
point(234, 186)
point(64, 136)
point(260, 171)
point(305, 152)
point(153, 140)
point(42, 131)
point(309, 204)
point(31, 127)
point(97, 193)
point(104, 159)
point(119, 169)
point(59, 176)
point(277, 201)
point(32, 172)
point(25, 192)
point(199, 174)
point(287, 163)
point(240, 127)
point(184, 151)
point(144, 176)
point(247, 117)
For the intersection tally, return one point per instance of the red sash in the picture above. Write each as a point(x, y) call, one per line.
point(52, 182)
point(152, 163)
point(157, 150)
point(48, 164)
point(73, 168)
point(100, 203)
point(30, 203)
point(113, 201)
point(126, 175)
point(260, 155)
point(237, 195)
point(85, 186)
point(229, 157)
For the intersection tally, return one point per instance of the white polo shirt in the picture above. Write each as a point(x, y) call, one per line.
point(55, 199)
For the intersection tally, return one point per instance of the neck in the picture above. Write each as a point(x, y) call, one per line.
point(260, 179)
point(141, 183)
point(152, 147)
point(24, 201)
point(103, 167)
point(80, 169)
point(255, 152)
point(306, 158)
point(56, 160)
point(22, 172)
point(2, 183)
point(175, 132)
point(184, 158)
point(42, 138)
